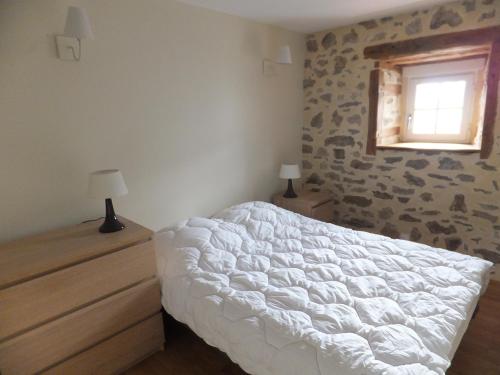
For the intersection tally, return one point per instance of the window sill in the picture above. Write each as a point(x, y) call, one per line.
point(456, 147)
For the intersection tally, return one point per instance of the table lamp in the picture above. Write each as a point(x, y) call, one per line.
point(107, 184)
point(289, 171)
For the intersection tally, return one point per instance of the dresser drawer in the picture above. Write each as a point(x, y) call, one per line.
point(316, 205)
point(35, 256)
point(53, 342)
point(323, 212)
point(117, 353)
point(40, 300)
point(300, 208)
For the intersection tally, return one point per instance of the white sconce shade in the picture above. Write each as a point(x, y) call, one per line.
point(77, 24)
point(107, 183)
point(289, 171)
point(77, 28)
point(284, 55)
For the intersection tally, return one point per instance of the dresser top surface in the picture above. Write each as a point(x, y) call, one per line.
point(36, 255)
point(310, 198)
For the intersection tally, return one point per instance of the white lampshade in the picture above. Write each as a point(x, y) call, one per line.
point(77, 24)
point(107, 183)
point(289, 171)
point(284, 55)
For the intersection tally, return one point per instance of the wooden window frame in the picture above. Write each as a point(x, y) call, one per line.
point(444, 47)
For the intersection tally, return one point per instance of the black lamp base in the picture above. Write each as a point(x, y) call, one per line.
point(111, 223)
point(289, 193)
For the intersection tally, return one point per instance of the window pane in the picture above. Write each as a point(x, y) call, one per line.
point(449, 121)
point(426, 95)
point(451, 94)
point(424, 121)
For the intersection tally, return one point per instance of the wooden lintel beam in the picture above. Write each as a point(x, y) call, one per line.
point(473, 38)
point(442, 55)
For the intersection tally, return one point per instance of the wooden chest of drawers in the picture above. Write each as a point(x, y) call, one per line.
point(77, 301)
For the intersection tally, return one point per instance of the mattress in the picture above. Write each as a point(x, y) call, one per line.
point(284, 294)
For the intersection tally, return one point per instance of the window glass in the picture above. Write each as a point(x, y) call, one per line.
point(426, 95)
point(439, 106)
point(449, 121)
point(424, 121)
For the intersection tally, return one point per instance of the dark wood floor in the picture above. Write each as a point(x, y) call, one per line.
point(478, 354)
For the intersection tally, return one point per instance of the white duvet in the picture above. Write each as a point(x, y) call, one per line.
point(284, 294)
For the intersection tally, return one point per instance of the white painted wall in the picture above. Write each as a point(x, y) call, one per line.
point(173, 95)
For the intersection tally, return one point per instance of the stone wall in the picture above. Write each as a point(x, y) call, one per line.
point(445, 199)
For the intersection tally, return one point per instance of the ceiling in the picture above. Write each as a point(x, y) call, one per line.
point(313, 15)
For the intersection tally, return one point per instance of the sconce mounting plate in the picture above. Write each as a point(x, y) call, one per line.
point(268, 68)
point(67, 47)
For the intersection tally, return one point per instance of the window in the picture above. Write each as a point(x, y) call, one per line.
point(439, 100)
point(437, 92)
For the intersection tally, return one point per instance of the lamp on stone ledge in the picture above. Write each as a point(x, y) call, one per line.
point(290, 172)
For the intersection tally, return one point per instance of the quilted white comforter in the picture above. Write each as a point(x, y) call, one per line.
point(284, 294)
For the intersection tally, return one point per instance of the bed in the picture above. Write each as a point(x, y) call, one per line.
point(284, 294)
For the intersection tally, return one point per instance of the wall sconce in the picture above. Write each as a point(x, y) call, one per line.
point(77, 27)
point(284, 57)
